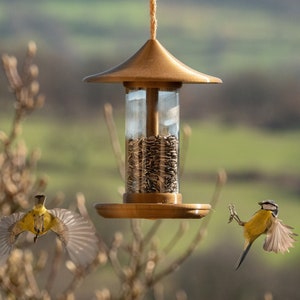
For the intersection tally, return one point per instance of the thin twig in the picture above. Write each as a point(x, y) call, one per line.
point(136, 229)
point(31, 280)
point(113, 256)
point(152, 231)
point(108, 113)
point(137, 247)
point(187, 132)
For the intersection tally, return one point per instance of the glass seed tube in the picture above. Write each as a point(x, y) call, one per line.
point(152, 145)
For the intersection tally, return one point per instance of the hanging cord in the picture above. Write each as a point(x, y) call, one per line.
point(153, 20)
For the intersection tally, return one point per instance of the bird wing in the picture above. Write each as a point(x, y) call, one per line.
point(10, 229)
point(77, 235)
point(280, 237)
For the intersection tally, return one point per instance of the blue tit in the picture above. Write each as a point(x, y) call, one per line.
point(279, 237)
point(76, 233)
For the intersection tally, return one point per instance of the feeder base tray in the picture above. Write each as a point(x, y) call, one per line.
point(153, 211)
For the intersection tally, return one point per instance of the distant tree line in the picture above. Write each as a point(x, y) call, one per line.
point(254, 98)
point(273, 4)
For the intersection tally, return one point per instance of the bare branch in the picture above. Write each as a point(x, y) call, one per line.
point(108, 113)
point(29, 274)
point(113, 255)
point(25, 88)
point(136, 229)
point(137, 247)
point(187, 132)
point(152, 231)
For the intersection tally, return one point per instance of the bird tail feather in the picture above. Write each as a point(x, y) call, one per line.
point(243, 255)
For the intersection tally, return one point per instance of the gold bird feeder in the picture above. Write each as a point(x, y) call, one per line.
point(152, 78)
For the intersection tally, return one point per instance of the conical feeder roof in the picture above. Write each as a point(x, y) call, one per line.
point(152, 63)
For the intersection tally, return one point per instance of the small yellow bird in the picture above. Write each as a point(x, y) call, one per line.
point(279, 237)
point(76, 233)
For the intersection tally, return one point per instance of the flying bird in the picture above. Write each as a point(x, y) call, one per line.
point(279, 237)
point(76, 233)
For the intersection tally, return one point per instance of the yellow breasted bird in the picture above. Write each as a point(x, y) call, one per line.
point(279, 237)
point(76, 233)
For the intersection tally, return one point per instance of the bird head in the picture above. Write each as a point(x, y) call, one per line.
point(269, 205)
point(39, 208)
point(40, 199)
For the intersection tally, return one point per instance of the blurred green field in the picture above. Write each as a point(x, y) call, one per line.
point(77, 157)
point(74, 147)
point(238, 148)
point(257, 36)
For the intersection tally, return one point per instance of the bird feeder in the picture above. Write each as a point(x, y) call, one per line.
point(152, 78)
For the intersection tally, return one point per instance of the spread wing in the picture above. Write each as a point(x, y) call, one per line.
point(280, 237)
point(77, 235)
point(9, 231)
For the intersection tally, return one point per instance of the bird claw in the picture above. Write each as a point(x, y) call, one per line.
point(35, 238)
point(232, 212)
point(234, 215)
